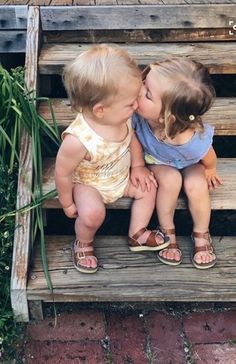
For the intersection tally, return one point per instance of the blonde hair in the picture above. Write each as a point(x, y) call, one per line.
point(95, 75)
point(188, 95)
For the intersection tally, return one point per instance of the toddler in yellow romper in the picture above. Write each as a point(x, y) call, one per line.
point(93, 162)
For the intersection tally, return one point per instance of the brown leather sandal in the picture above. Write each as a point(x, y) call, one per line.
point(208, 247)
point(82, 252)
point(168, 261)
point(150, 244)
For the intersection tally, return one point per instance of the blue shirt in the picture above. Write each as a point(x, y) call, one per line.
point(157, 151)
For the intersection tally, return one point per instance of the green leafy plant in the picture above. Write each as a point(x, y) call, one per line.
point(17, 113)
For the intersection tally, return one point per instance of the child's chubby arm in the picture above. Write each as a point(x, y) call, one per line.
point(210, 161)
point(70, 154)
point(140, 175)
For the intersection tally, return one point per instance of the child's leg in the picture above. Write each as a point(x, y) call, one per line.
point(169, 182)
point(91, 214)
point(196, 189)
point(141, 212)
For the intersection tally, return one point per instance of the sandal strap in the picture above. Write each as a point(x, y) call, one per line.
point(159, 232)
point(205, 235)
point(138, 234)
point(168, 231)
point(150, 239)
point(87, 247)
point(205, 248)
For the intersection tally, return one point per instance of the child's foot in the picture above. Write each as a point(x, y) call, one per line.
point(147, 240)
point(203, 254)
point(83, 257)
point(172, 255)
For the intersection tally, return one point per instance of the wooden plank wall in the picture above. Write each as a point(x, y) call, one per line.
point(13, 24)
point(147, 17)
point(113, 2)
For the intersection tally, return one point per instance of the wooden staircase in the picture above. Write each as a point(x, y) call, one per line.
point(150, 33)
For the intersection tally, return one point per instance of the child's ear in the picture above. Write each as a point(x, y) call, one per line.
point(98, 110)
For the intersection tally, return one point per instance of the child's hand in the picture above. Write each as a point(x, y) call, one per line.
point(213, 180)
point(71, 211)
point(142, 176)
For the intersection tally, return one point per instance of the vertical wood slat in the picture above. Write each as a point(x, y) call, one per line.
point(21, 248)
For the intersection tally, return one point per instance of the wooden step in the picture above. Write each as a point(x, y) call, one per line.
point(219, 57)
point(127, 276)
point(222, 115)
point(174, 14)
point(223, 198)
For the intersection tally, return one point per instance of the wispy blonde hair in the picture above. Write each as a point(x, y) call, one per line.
point(188, 94)
point(95, 75)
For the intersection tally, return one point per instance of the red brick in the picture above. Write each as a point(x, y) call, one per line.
point(127, 337)
point(70, 326)
point(214, 354)
point(165, 337)
point(64, 353)
point(210, 327)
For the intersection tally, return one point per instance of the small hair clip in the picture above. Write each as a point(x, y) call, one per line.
point(191, 117)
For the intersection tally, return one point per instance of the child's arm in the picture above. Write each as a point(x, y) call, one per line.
point(70, 154)
point(139, 173)
point(210, 161)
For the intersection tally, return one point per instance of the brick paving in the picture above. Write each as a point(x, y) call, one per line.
point(134, 336)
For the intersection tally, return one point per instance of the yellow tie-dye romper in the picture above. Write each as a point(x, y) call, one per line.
point(108, 168)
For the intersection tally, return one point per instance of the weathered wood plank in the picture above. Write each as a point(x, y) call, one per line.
point(21, 246)
point(190, 2)
point(222, 198)
point(61, 2)
point(137, 16)
point(219, 57)
point(13, 17)
point(222, 114)
point(39, 2)
point(16, 2)
point(106, 2)
point(174, 2)
point(139, 36)
point(126, 276)
point(12, 41)
point(84, 2)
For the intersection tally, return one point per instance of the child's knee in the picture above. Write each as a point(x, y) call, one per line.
point(171, 179)
point(93, 216)
point(195, 185)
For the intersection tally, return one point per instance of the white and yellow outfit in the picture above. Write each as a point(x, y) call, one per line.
point(109, 164)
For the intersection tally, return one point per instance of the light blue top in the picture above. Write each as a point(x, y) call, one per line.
point(157, 151)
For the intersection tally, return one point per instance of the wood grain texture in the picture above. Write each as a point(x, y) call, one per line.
point(13, 17)
point(219, 57)
point(127, 276)
point(21, 248)
point(12, 41)
point(222, 115)
point(136, 16)
point(139, 36)
point(222, 198)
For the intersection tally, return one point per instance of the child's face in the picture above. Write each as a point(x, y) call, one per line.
point(149, 100)
point(124, 103)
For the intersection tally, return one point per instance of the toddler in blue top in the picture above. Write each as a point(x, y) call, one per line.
point(177, 147)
